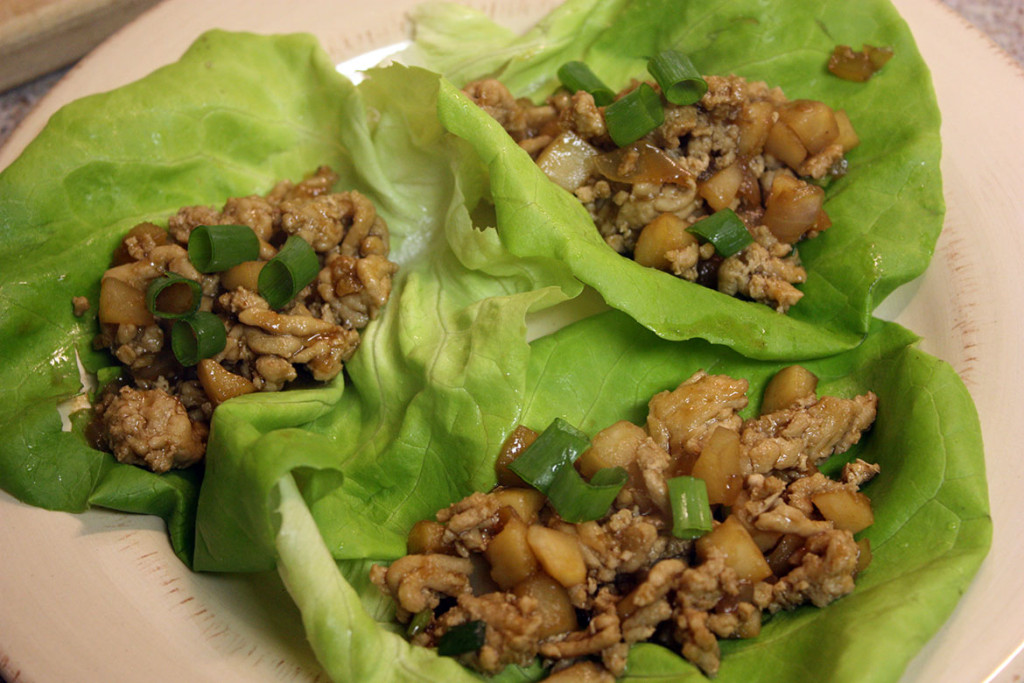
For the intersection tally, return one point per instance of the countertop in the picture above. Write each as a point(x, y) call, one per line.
point(1001, 20)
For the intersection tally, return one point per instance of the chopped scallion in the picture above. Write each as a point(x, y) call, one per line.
point(691, 513)
point(557, 446)
point(680, 81)
point(419, 622)
point(214, 248)
point(725, 230)
point(172, 296)
point(467, 637)
point(634, 115)
point(576, 500)
point(577, 76)
point(547, 465)
point(286, 274)
point(199, 336)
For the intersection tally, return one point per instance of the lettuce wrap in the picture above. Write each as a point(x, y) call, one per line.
point(321, 482)
point(886, 210)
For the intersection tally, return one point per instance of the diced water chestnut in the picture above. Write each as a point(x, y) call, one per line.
point(526, 502)
point(425, 538)
point(120, 303)
point(755, 122)
point(784, 144)
point(517, 441)
point(559, 554)
point(720, 189)
point(733, 542)
point(850, 510)
point(245, 274)
point(665, 233)
point(510, 555)
point(719, 466)
point(789, 385)
point(848, 137)
point(219, 383)
point(792, 207)
point(553, 604)
point(813, 122)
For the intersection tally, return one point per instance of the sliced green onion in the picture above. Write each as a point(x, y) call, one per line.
point(577, 76)
point(725, 230)
point(680, 81)
point(691, 513)
point(199, 336)
point(576, 500)
point(557, 446)
point(634, 115)
point(213, 248)
point(165, 294)
point(547, 465)
point(419, 622)
point(286, 274)
point(467, 637)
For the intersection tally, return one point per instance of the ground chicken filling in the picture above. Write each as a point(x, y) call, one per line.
point(743, 147)
point(578, 595)
point(157, 415)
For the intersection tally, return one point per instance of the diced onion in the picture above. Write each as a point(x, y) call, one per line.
point(641, 162)
point(858, 66)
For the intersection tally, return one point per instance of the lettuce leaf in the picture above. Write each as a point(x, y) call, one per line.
point(931, 529)
point(887, 210)
point(237, 113)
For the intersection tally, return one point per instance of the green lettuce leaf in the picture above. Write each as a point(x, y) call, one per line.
point(887, 210)
point(237, 113)
point(931, 529)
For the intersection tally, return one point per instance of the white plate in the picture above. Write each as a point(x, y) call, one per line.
point(100, 597)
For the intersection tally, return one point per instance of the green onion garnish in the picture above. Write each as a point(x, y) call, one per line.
point(577, 76)
point(725, 230)
point(196, 337)
point(691, 513)
point(557, 446)
point(419, 622)
point(467, 637)
point(213, 248)
point(286, 274)
point(634, 115)
point(680, 81)
point(547, 465)
point(172, 296)
point(575, 500)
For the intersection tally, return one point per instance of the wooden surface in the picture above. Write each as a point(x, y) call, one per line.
point(38, 36)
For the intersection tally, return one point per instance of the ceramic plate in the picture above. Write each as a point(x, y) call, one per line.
point(100, 597)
